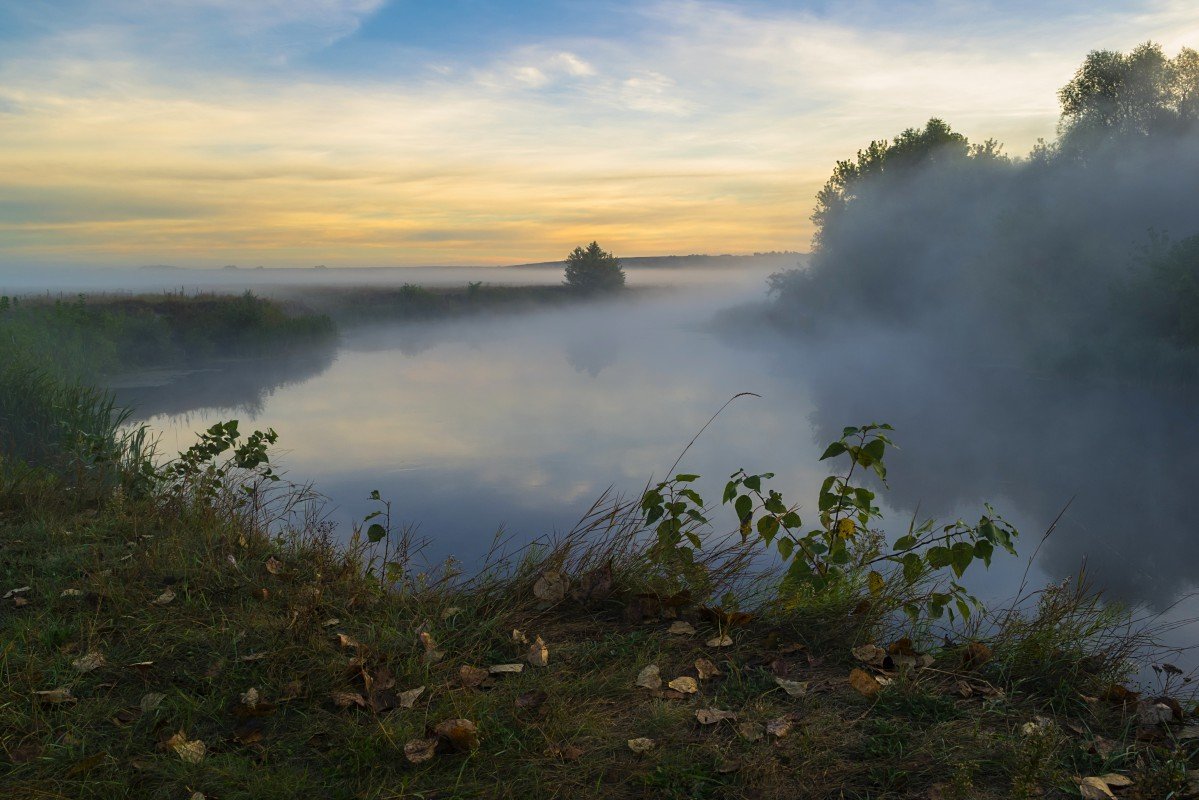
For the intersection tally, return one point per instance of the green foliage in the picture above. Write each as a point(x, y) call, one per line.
point(593, 269)
point(1116, 95)
point(1164, 290)
point(842, 549)
point(207, 468)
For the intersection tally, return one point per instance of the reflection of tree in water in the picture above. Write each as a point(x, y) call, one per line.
point(236, 386)
point(969, 434)
point(593, 355)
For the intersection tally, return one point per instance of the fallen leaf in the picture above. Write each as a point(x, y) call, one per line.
point(681, 628)
point(432, 654)
point(684, 685)
point(274, 565)
point(408, 699)
point(347, 642)
point(901, 647)
point(142, 666)
point(329, 623)
point(518, 637)
point(71, 593)
point(190, 751)
point(419, 751)
point(1153, 713)
point(151, 701)
point(254, 657)
point(975, 655)
point(779, 727)
point(472, 677)
point(59, 695)
point(164, 598)
point(347, 699)
point(1095, 789)
point(641, 745)
point(566, 753)
point(793, 688)
point(14, 592)
point(723, 640)
point(594, 586)
point(19, 602)
point(711, 716)
point(649, 677)
point(1116, 779)
point(93, 660)
point(1120, 694)
point(864, 684)
point(870, 654)
point(461, 733)
point(751, 731)
point(249, 732)
point(551, 586)
point(250, 697)
point(532, 700)
point(539, 654)
point(706, 669)
point(505, 669)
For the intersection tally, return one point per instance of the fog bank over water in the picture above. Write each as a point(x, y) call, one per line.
point(520, 421)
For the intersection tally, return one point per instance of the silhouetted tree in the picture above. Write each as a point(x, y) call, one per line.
point(1138, 94)
point(593, 269)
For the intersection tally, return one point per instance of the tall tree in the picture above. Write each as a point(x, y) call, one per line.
point(593, 269)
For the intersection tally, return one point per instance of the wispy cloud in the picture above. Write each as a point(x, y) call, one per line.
point(709, 127)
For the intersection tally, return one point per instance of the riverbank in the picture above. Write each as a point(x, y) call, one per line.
point(191, 629)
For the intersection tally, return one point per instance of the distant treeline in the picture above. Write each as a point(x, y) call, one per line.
point(83, 338)
point(1081, 257)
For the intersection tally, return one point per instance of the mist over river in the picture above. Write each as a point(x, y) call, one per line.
point(520, 421)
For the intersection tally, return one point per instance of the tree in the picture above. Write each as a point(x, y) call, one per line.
point(593, 269)
point(1139, 94)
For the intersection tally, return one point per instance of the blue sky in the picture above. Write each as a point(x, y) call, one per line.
point(400, 132)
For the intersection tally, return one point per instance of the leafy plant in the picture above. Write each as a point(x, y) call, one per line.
point(200, 470)
point(842, 547)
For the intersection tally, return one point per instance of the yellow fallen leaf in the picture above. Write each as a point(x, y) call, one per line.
point(710, 716)
point(432, 654)
point(347, 642)
point(87, 663)
point(250, 697)
point(151, 701)
point(505, 669)
point(347, 699)
point(681, 628)
point(408, 699)
point(461, 733)
point(751, 731)
point(1095, 789)
point(793, 688)
point(1116, 779)
point(274, 565)
point(59, 695)
point(420, 750)
point(779, 727)
point(191, 751)
point(685, 684)
point(539, 654)
point(164, 598)
point(864, 683)
point(518, 637)
point(649, 677)
point(472, 677)
point(723, 640)
point(71, 593)
point(641, 745)
point(871, 654)
point(706, 669)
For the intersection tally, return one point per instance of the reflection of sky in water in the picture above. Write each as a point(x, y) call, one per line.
point(522, 421)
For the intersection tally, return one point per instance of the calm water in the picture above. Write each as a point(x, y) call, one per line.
point(521, 421)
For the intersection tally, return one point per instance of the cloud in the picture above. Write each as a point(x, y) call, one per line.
point(709, 127)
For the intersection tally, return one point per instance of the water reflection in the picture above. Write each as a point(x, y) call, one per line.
point(521, 421)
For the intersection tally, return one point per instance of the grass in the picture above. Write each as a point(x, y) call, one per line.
point(88, 337)
point(168, 633)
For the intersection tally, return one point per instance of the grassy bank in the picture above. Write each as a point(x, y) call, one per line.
point(191, 628)
point(358, 305)
point(86, 337)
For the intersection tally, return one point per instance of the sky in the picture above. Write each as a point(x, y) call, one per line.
point(406, 132)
